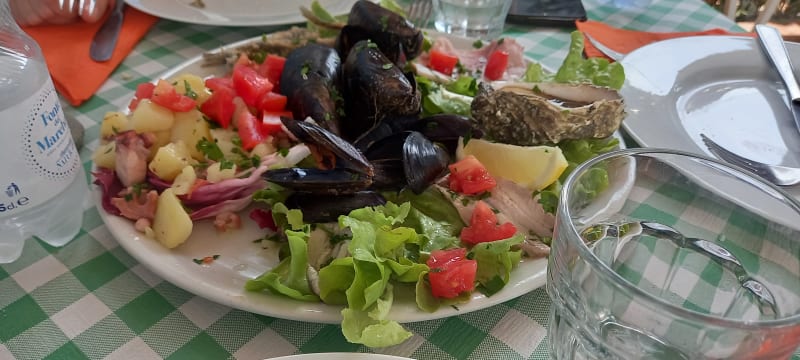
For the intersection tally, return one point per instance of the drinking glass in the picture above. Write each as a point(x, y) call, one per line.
point(662, 254)
point(482, 19)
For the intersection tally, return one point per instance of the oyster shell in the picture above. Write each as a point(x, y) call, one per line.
point(546, 113)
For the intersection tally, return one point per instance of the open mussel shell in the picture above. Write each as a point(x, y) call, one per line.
point(334, 182)
point(320, 208)
point(313, 134)
point(446, 129)
point(407, 157)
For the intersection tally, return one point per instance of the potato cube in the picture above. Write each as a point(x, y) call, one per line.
point(105, 155)
point(162, 138)
point(215, 173)
point(224, 139)
point(170, 160)
point(188, 84)
point(151, 117)
point(114, 122)
point(172, 225)
point(190, 127)
point(184, 181)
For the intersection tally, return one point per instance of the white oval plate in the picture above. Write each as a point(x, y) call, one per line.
point(721, 86)
point(236, 12)
point(240, 259)
point(340, 356)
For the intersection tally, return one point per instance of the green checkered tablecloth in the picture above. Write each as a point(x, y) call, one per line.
point(91, 299)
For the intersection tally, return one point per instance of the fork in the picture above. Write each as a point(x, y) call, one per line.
point(776, 174)
point(419, 12)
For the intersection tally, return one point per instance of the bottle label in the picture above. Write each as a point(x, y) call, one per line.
point(39, 157)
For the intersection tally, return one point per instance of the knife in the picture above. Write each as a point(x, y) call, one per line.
point(772, 43)
point(105, 40)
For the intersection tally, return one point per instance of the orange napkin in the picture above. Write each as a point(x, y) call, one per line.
point(66, 50)
point(626, 41)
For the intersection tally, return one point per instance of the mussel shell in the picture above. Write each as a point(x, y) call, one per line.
point(319, 208)
point(374, 89)
point(408, 156)
point(334, 182)
point(446, 129)
point(395, 36)
point(309, 81)
point(424, 162)
point(310, 133)
point(389, 126)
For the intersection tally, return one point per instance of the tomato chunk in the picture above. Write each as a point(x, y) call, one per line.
point(249, 128)
point(217, 83)
point(249, 85)
point(272, 68)
point(219, 107)
point(483, 226)
point(443, 62)
point(496, 65)
point(272, 101)
point(451, 273)
point(143, 91)
point(271, 121)
point(164, 94)
point(469, 176)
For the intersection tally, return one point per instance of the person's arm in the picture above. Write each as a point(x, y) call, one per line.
point(37, 12)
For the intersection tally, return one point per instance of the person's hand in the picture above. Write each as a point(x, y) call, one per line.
point(37, 12)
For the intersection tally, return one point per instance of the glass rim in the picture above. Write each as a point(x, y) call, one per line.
point(596, 265)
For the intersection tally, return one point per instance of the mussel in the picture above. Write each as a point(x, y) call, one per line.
point(374, 89)
point(396, 37)
point(309, 81)
point(407, 159)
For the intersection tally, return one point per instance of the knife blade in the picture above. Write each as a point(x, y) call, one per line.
point(105, 40)
point(772, 43)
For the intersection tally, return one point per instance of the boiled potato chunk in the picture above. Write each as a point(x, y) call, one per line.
point(171, 224)
point(190, 127)
point(224, 140)
point(106, 155)
point(184, 181)
point(113, 123)
point(170, 160)
point(151, 117)
point(161, 138)
point(187, 84)
point(215, 173)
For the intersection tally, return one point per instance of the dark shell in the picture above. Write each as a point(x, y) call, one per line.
point(374, 89)
point(389, 126)
point(446, 129)
point(424, 162)
point(309, 82)
point(319, 208)
point(309, 133)
point(333, 182)
point(395, 36)
point(408, 157)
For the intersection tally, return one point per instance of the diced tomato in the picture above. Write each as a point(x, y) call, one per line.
point(143, 91)
point(249, 85)
point(219, 106)
point(164, 94)
point(271, 121)
point(264, 219)
point(443, 62)
point(272, 101)
point(483, 226)
point(244, 60)
point(250, 129)
point(496, 65)
point(216, 83)
point(469, 176)
point(451, 273)
point(272, 68)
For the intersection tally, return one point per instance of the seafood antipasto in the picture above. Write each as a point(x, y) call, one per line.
point(377, 158)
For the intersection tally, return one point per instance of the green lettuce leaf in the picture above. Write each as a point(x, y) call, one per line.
point(334, 279)
point(289, 277)
point(371, 327)
point(287, 219)
point(495, 262)
point(598, 71)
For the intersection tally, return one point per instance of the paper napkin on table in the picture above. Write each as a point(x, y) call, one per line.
point(625, 41)
point(66, 50)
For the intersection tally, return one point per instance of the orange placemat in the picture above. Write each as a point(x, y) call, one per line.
point(66, 50)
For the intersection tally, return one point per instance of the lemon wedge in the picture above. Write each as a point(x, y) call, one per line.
point(534, 167)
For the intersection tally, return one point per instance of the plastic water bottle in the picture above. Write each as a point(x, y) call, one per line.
point(42, 182)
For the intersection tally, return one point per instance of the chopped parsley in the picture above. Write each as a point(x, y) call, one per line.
point(189, 92)
point(477, 44)
point(210, 149)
